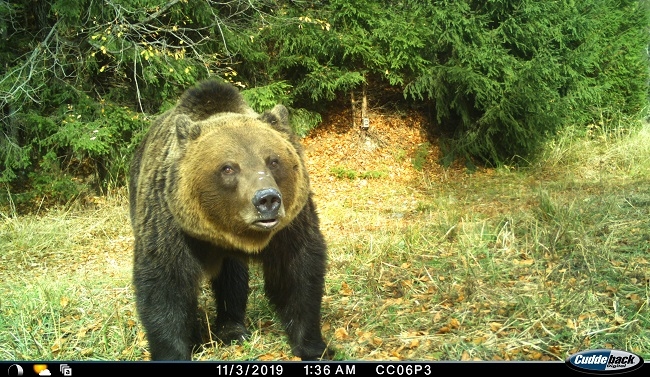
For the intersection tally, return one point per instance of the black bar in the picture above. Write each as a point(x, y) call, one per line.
point(307, 369)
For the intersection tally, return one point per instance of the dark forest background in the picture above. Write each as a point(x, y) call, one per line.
point(80, 80)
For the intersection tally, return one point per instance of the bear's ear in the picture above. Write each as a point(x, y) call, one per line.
point(278, 117)
point(212, 97)
point(185, 128)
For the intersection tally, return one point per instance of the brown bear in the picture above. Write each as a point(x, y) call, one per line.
point(212, 186)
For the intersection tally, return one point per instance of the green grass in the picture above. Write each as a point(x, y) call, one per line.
point(345, 173)
point(505, 264)
point(66, 291)
point(420, 157)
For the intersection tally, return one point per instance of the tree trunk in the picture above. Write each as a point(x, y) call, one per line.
point(353, 104)
point(365, 122)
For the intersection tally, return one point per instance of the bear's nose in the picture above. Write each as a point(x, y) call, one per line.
point(267, 201)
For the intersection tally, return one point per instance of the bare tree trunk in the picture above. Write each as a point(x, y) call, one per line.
point(365, 122)
point(353, 104)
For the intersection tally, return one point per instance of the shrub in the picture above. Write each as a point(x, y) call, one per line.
point(506, 75)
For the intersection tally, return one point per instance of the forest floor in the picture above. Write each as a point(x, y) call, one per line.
point(425, 262)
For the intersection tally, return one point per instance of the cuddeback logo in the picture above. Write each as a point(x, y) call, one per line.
point(604, 361)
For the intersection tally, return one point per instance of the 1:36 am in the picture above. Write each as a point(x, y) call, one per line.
point(326, 370)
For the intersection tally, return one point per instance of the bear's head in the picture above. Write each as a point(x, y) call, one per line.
point(238, 178)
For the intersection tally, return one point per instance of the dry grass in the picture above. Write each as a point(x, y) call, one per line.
point(427, 264)
point(65, 287)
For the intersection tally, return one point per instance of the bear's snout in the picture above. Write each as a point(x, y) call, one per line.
point(268, 203)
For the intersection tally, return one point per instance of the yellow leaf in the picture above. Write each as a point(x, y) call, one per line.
point(524, 262)
point(341, 333)
point(56, 347)
point(495, 326)
point(346, 290)
point(443, 330)
point(634, 297)
point(479, 340)
point(64, 301)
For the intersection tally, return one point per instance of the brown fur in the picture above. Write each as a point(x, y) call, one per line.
point(194, 184)
point(194, 151)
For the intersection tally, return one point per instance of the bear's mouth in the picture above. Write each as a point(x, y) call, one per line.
point(266, 224)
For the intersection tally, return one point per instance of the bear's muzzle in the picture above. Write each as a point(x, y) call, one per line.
point(268, 202)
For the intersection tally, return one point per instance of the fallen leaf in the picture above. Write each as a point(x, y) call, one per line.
point(341, 333)
point(479, 340)
point(326, 326)
point(495, 326)
point(345, 289)
point(634, 297)
point(524, 262)
point(443, 330)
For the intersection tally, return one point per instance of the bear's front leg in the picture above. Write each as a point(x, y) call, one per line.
point(166, 300)
point(230, 289)
point(294, 276)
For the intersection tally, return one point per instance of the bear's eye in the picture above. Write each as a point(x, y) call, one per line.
point(274, 163)
point(227, 169)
